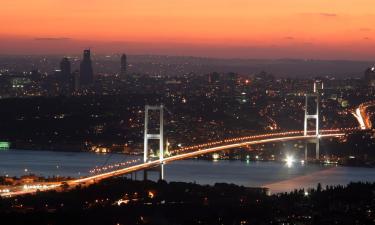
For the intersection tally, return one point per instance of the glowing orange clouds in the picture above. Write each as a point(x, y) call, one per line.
point(334, 23)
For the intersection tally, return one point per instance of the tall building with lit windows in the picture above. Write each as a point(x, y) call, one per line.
point(124, 66)
point(86, 71)
point(65, 68)
point(67, 78)
point(370, 77)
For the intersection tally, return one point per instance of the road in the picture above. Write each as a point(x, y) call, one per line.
point(362, 115)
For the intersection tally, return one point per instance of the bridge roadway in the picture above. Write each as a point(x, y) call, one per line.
point(267, 138)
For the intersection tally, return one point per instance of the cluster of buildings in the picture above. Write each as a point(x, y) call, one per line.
point(204, 107)
point(74, 81)
point(110, 75)
point(67, 78)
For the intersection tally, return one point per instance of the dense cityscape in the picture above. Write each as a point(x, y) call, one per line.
point(187, 112)
point(203, 107)
point(63, 109)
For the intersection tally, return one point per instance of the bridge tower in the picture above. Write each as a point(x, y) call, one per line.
point(159, 136)
point(315, 96)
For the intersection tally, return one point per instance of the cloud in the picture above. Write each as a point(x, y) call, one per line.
point(289, 38)
point(52, 39)
point(365, 29)
point(328, 14)
point(324, 15)
point(366, 38)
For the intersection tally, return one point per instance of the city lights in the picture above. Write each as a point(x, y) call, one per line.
point(187, 112)
point(103, 173)
point(289, 160)
point(215, 156)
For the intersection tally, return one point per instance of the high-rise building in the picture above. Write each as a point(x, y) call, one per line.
point(86, 71)
point(124, 66)
point(318, 86)
point(35, 75)
point(66, 76)
point(370, 76)
point(75, 76)
point(65, 68)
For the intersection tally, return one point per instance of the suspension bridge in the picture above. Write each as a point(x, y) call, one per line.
point(307, 135)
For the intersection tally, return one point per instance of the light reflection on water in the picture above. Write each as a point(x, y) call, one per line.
point(277, 176)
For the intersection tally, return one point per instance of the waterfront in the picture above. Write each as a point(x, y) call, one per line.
point(279, 177)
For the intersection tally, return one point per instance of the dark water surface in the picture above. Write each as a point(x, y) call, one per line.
point(277, 176)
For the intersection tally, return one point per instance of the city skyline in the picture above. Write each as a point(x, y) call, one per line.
point(240, 29)
point(184, 112)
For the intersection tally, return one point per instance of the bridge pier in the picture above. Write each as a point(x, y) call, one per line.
point(133, 176)
point(316, 143)
point(159, 169)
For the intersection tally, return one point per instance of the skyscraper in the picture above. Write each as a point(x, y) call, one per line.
point(75, 76)
point(124, 65)
point(370, 77)
point(65, 68)
point(66, 78)
point(86, 71)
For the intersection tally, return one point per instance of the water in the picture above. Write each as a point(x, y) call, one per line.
point(279, 177)
point(48, 163)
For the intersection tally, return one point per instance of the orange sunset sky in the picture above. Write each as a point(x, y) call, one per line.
point(327, 29)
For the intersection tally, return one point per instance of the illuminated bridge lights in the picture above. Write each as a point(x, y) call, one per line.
point(39, 186)
point(114, 166)
point(200, 150)
point(251, 137)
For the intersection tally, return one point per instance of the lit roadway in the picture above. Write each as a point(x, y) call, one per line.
point(222, 145)
point(362, 116)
